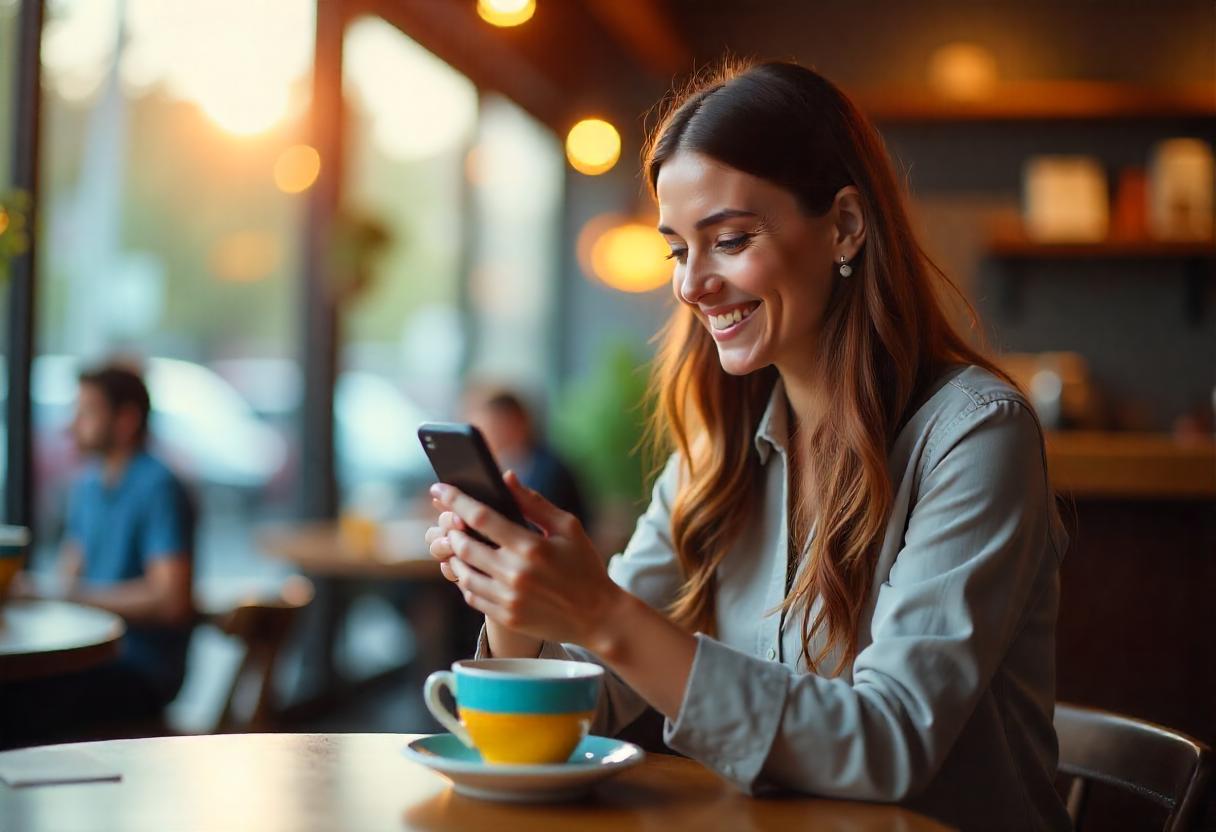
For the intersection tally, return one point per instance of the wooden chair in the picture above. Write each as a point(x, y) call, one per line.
point(263, 624)
point(1154, 762)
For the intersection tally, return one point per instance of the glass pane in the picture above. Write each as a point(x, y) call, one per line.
point(173, 211)
point(405, 211)
point(8, 77)
point(517, 169)
point(8, 225)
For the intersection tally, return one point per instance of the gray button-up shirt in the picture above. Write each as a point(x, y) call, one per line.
point(948, 705)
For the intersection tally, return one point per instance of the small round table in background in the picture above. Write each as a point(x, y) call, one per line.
point(48, 638)
point(306, 782)
point(398, 551)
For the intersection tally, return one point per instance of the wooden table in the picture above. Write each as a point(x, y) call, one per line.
point(302, 782)
point(398, 551)
point(45, 638)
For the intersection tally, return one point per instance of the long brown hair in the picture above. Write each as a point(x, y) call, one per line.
point(884, 338)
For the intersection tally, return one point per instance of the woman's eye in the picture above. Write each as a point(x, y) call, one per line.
point(734, 243)
point(678, 254)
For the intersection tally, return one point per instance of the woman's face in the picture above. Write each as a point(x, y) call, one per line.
point(753, 267)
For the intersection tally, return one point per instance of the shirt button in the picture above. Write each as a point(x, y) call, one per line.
point(772, 653)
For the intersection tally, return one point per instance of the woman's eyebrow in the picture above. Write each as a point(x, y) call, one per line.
point(715, 217)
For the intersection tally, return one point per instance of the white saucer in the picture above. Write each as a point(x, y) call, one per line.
point(595, 759)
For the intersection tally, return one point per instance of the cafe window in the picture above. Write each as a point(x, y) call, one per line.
point(173, 178)
point(451, 204)
point(411, 119)
point(517, 169)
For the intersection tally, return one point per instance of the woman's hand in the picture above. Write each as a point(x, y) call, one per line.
point(437, 539)
point(552, 586)
point(504, 643)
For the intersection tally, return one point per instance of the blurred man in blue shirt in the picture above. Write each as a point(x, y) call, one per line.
point(128, 549)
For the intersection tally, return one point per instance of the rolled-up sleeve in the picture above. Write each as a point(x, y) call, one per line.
point(978, 539)
point(647, 569)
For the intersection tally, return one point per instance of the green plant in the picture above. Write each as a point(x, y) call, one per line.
point(14, 238)
point(357, 241)
point(599, 424)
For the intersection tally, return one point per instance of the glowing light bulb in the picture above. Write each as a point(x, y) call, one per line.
point(593, 146)
point(506, 12)
point(963, 72)
point(625, 254)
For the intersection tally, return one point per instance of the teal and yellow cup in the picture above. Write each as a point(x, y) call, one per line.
point(521, 711)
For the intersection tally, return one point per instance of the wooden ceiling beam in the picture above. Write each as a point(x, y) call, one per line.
point(647, 30)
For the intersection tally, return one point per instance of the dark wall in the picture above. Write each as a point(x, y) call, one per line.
point(867, 42)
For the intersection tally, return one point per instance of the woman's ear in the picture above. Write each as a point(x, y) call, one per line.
point(849, 219)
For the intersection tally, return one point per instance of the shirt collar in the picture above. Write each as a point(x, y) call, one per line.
point(773, 430)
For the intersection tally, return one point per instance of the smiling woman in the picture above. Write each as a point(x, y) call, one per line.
point(846, 582)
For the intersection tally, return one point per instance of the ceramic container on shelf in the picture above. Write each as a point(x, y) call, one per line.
point(1182, 177)
point(1065, 199)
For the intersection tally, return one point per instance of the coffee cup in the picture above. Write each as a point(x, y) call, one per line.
point(518, 711)
point(13, 542)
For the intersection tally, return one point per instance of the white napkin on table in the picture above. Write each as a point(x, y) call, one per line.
point(54, 765)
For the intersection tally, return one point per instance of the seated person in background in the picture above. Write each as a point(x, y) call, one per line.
point(509, 431)
point(128, 549)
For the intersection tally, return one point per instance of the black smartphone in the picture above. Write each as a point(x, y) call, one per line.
point(460, 456)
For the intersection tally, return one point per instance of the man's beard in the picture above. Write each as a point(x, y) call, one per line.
point(103, 445)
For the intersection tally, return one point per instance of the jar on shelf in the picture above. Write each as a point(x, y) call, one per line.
point(1182, 177)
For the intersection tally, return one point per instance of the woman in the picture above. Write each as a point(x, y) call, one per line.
point(846, 582)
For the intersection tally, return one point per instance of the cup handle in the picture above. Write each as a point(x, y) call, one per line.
point(430, 694)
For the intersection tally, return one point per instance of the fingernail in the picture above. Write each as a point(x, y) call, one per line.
point(436, 490)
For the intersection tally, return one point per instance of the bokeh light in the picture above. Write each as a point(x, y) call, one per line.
point(245, 256)
point(297, 169)
point(418, 106)
point(238, 61)
point(78, 47)
point(624, 253)
point(593, 146)
point(506, 12)
point(245, 65)
point(963, 72)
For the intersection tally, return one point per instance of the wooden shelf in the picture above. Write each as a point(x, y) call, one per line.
point(1131, 465)
point(1011, 246)
point(1043, 101)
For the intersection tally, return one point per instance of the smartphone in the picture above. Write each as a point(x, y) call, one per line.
point(460, 456)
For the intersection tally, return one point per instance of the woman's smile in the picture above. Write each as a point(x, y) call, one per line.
point(725, 322)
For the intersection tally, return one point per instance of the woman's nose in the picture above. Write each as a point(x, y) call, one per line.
point(698, 282)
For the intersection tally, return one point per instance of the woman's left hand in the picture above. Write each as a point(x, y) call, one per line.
point(552, 586)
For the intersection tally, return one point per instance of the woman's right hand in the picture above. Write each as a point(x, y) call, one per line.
point(504, 643)
point(437, 539)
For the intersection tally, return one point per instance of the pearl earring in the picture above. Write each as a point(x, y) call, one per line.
point(845, 268)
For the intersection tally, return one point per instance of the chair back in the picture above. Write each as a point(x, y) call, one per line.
point(1154, 762)
point(262, 622)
